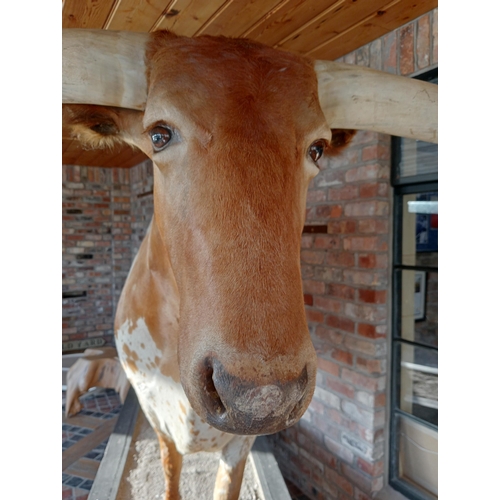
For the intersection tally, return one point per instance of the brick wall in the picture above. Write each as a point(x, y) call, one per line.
point(103, 211)
point(338, 449)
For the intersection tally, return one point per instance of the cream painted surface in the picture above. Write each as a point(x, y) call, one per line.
point(162, 398)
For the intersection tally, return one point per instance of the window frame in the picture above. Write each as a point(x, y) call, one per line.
point(403, 186)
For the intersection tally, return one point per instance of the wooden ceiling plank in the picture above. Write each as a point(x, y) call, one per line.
point(338, 18)
point(352, 33)
point(66, 144)
point(286, 19)
point(85, 14)
point(187, 17)
point(137, 15)
point(266, 17)
point(371, 28)
point(213, 18)
point(403, 13)
point(112, 12)
point(237, 17)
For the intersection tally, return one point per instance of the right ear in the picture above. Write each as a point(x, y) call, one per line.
point(340, 140)
point(100, 127)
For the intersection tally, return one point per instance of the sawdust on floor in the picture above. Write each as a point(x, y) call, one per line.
point(143, 475)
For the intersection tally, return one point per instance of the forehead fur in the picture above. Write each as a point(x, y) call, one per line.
point(236, 76)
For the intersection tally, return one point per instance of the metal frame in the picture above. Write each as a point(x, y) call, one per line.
point(407, 185)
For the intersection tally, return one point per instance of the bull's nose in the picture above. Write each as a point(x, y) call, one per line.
point(241, 406)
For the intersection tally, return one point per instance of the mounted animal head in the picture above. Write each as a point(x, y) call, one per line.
point(235, 130)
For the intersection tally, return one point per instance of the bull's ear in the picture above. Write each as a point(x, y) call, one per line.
point(340, 140)
point(100, 127)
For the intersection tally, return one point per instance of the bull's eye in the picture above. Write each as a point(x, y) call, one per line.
point(160, 137)
point(316, 150)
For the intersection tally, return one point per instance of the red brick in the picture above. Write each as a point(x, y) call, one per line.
point(370, 383)
point(368, 190)
point(325, 457)
point(380, 400)
point(307, 241)
point(337, 417)
point(375, 152)
point(314, 287)
point(314, 316)
point(328, 304)
point(370, 365)
point(435, 36)
point(372, 208)
point(327, 334)
point(308, 299)
point(342, 259)
point(367, 260)
point(368, 331)
point(423, 41)
point(328, 366)
point(365, 137)
point(340, 387)
point(327, 242)
point(357, 477)
point(341, 291)
point(376, 54)
point(360, 243)
point(312, 257)
point(339, 450)
point(364, 346)
point(365, 173)
point(328, 211)
point(340, 481)
point(316, 196)
point(359, 277)
point(373, 296)
point(389, 53)
point(342, 356)
point(406, 58)
point(373, 226)
point(348, 192)
point(342, 227)
point(341, 323)
point(363, 56)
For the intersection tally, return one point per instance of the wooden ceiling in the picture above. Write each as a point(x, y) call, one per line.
point(320, 29)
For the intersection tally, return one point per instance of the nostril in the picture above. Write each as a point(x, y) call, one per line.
point(212, 397)
point(302, 380)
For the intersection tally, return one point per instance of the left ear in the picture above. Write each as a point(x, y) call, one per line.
point(340, 140)
point(100, 127)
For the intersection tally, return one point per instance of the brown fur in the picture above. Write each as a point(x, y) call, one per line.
point(217, 279)
point(341, 138)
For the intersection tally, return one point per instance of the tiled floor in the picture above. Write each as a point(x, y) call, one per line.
point(101, 405)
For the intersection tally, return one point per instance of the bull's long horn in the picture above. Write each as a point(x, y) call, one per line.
point(104, 67)
point(359, 98)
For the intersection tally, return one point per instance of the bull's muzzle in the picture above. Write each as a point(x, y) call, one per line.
point(239, 406)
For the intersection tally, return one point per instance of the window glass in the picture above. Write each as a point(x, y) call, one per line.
point(417, 158)
point(419, 306)
point(418, 456)
point(418, 385)
point(420, 229)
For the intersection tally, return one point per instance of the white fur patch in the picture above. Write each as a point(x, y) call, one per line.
point(162, 398)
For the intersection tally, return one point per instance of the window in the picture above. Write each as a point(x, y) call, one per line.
point(414, 398)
